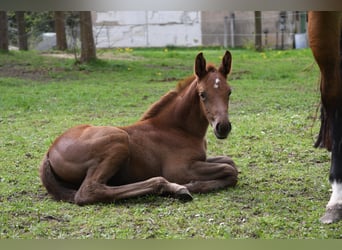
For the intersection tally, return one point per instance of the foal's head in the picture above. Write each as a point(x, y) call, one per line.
point(214, 93)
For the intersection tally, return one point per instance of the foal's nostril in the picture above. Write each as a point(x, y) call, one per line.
point(223, 129)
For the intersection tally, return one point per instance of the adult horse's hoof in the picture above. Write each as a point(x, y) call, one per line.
point(331, 215)
point(184, 195)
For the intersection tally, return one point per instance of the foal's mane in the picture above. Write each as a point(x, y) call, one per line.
point(171, 95)
point(167, 98)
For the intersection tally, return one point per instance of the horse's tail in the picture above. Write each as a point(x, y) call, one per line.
point(324, 136)
point(54, 185)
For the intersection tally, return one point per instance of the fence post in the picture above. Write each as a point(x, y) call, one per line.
point(258, 31)
point(146, 29)
point(232, 30)
point(225, 33)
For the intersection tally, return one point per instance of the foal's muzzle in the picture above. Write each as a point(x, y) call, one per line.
point(222, 129)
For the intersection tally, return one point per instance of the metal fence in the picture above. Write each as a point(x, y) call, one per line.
point(112, 29)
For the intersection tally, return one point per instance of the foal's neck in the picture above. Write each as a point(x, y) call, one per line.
point(186, 112)
point(179, 109)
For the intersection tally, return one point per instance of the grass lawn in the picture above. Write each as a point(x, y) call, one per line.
point(283, 185)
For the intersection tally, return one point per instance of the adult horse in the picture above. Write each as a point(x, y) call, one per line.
point(164, 152)
point(325, 38)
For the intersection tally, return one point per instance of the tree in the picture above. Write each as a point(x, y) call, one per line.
point(258, 32)
point(88, 50)
point(3, 31)
point(61, 41)
point(22, 35)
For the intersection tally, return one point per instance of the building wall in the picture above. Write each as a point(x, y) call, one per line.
point(147, 28)
point(190, 28)
point(214, 24)
point(212, 27)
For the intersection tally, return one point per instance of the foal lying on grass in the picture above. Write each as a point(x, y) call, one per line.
point(163, 153)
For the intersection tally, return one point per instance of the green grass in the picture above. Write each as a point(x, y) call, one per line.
point(283, 185)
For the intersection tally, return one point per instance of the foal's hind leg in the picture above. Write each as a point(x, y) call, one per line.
point(156, 185)
point(95, 189)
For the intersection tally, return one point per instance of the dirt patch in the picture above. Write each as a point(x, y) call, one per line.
point(237, 75)
point(100, 55)
point(59, 55)
point(25, 72)
point(46, 73)
point(166, 79)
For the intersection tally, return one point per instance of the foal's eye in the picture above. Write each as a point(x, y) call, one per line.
point(229, 93)
point(203, 95)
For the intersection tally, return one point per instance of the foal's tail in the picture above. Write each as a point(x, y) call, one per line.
point(56, 187)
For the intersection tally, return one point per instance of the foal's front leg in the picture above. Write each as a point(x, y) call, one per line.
point(222, 159)
point(215, 173)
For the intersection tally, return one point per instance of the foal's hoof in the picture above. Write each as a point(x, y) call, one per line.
point(184, 195)
point(331, 215)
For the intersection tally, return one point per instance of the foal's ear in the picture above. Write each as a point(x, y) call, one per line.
point(200, 66)
point(226, 64)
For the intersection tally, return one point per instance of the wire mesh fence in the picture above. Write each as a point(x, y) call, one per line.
point(280, 29)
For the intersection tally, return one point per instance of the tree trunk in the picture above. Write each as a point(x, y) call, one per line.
point(22, 35)
point(258, 32)
point(88, 50)
point(3, 31)
point(61, 41)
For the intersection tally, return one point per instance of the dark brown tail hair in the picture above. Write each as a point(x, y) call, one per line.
point(324, 136)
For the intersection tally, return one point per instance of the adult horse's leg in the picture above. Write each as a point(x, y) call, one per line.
point(215, 173)
point(326, 47)
point(334, 207)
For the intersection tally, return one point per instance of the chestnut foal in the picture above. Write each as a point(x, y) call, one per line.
point(163, 153)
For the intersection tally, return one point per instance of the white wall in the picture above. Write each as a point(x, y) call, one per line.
point(147, 28)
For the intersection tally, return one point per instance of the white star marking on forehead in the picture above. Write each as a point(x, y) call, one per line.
point(217, 82)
